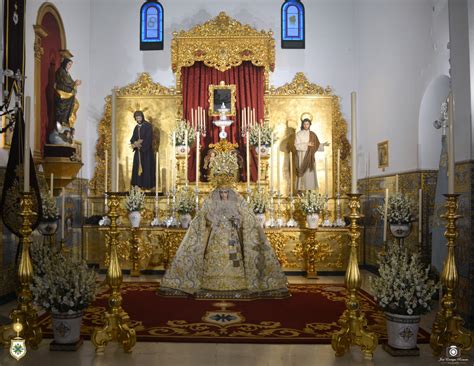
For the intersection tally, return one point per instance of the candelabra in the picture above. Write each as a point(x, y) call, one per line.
point(447, 327)
point(116, 326)
point(280, 222)
point(105, 221)
point(339, 220)
point(172, 220)
point(196, 195)
point(292, 222)
point(353, 320)
point(25, 313)
point(327, 221)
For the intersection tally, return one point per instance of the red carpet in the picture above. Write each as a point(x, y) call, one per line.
point(309, 316)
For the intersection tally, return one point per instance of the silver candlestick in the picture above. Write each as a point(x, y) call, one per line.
point(339, 220)
point(327, 220)
point(292, 222)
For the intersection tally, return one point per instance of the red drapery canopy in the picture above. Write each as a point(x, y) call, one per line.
point(250, 85)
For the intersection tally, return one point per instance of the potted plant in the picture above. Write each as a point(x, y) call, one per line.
point(134, 203)
point(265, 138)
point(63, 287)
point(185, 202)
point(312, 204)
point(180, 136)
point(404, 292)
point(49, 220)
point(399, 215)
point(258, 204)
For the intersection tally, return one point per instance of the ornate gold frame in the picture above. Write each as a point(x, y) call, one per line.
point(382, 146)
point(222, 86)
point(222, 43)
point(301, 87)
point(40, 34)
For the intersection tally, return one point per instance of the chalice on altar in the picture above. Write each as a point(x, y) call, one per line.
point(223, 122)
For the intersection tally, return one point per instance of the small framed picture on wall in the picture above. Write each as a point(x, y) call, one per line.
point(382, 153)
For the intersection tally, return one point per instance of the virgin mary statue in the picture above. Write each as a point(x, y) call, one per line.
point(225, 254)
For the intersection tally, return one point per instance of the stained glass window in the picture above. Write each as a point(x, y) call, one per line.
point(292, 24)
point(151, 26)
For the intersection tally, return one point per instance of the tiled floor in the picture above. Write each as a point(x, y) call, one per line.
point(195, 354)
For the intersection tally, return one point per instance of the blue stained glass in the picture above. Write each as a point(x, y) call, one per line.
point(292, 17)
point(151, 22)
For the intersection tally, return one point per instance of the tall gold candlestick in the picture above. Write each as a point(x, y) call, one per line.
point(447, 327)
point(25, 313)
point(353, 320)
point(116, 326)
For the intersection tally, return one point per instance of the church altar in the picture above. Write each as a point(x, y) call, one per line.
point(228, 54)
point(152, 249)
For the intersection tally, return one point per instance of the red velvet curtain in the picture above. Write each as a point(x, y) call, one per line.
point(250, 85)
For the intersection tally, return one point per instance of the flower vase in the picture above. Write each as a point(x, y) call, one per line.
point(402, 330)
point(181, 150)
point(185, 220)
point(312, 220)
point(66, 327)
point(400, 231)
point(48, 227)
point(260, 218)
point(135, 217)
point(264, 150)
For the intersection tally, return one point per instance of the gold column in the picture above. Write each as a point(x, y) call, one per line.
point(447, 327)
point(116, 319)
point(25, 313)
point(353, 321)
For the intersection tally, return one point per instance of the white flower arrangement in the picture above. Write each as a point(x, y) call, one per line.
point(180, 128)
point(312, 202)
point(404, 286)
point(258, 202)
point(265, 135)
point(185, 201)
point(135, 200)
point(60, 285)
point(50, 211)
point(224, 163)
point(399, 210)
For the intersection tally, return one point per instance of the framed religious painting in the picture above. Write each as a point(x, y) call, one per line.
point(382, 153)
point(222, 96)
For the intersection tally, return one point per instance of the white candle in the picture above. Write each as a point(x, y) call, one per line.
point(338, 171)
point(157, 173)
point(186, 157)
point(278, 170)
point(354, 143)
point(173, 162)
point(106, 171)
point(272, 162)
point(114, 174)
point(396, 183)
point(420, 214)
point(451, 144)
point(198, 145)
point(247, 142)
point(26, 154)
point(51, 185)
point(326, 184)
point(291, 174)
point(385, 219)
point(63, 212)
point(258, 163)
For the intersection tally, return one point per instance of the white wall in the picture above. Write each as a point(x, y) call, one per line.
point(397, 43)
point(116, 60)
point(76, 18)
